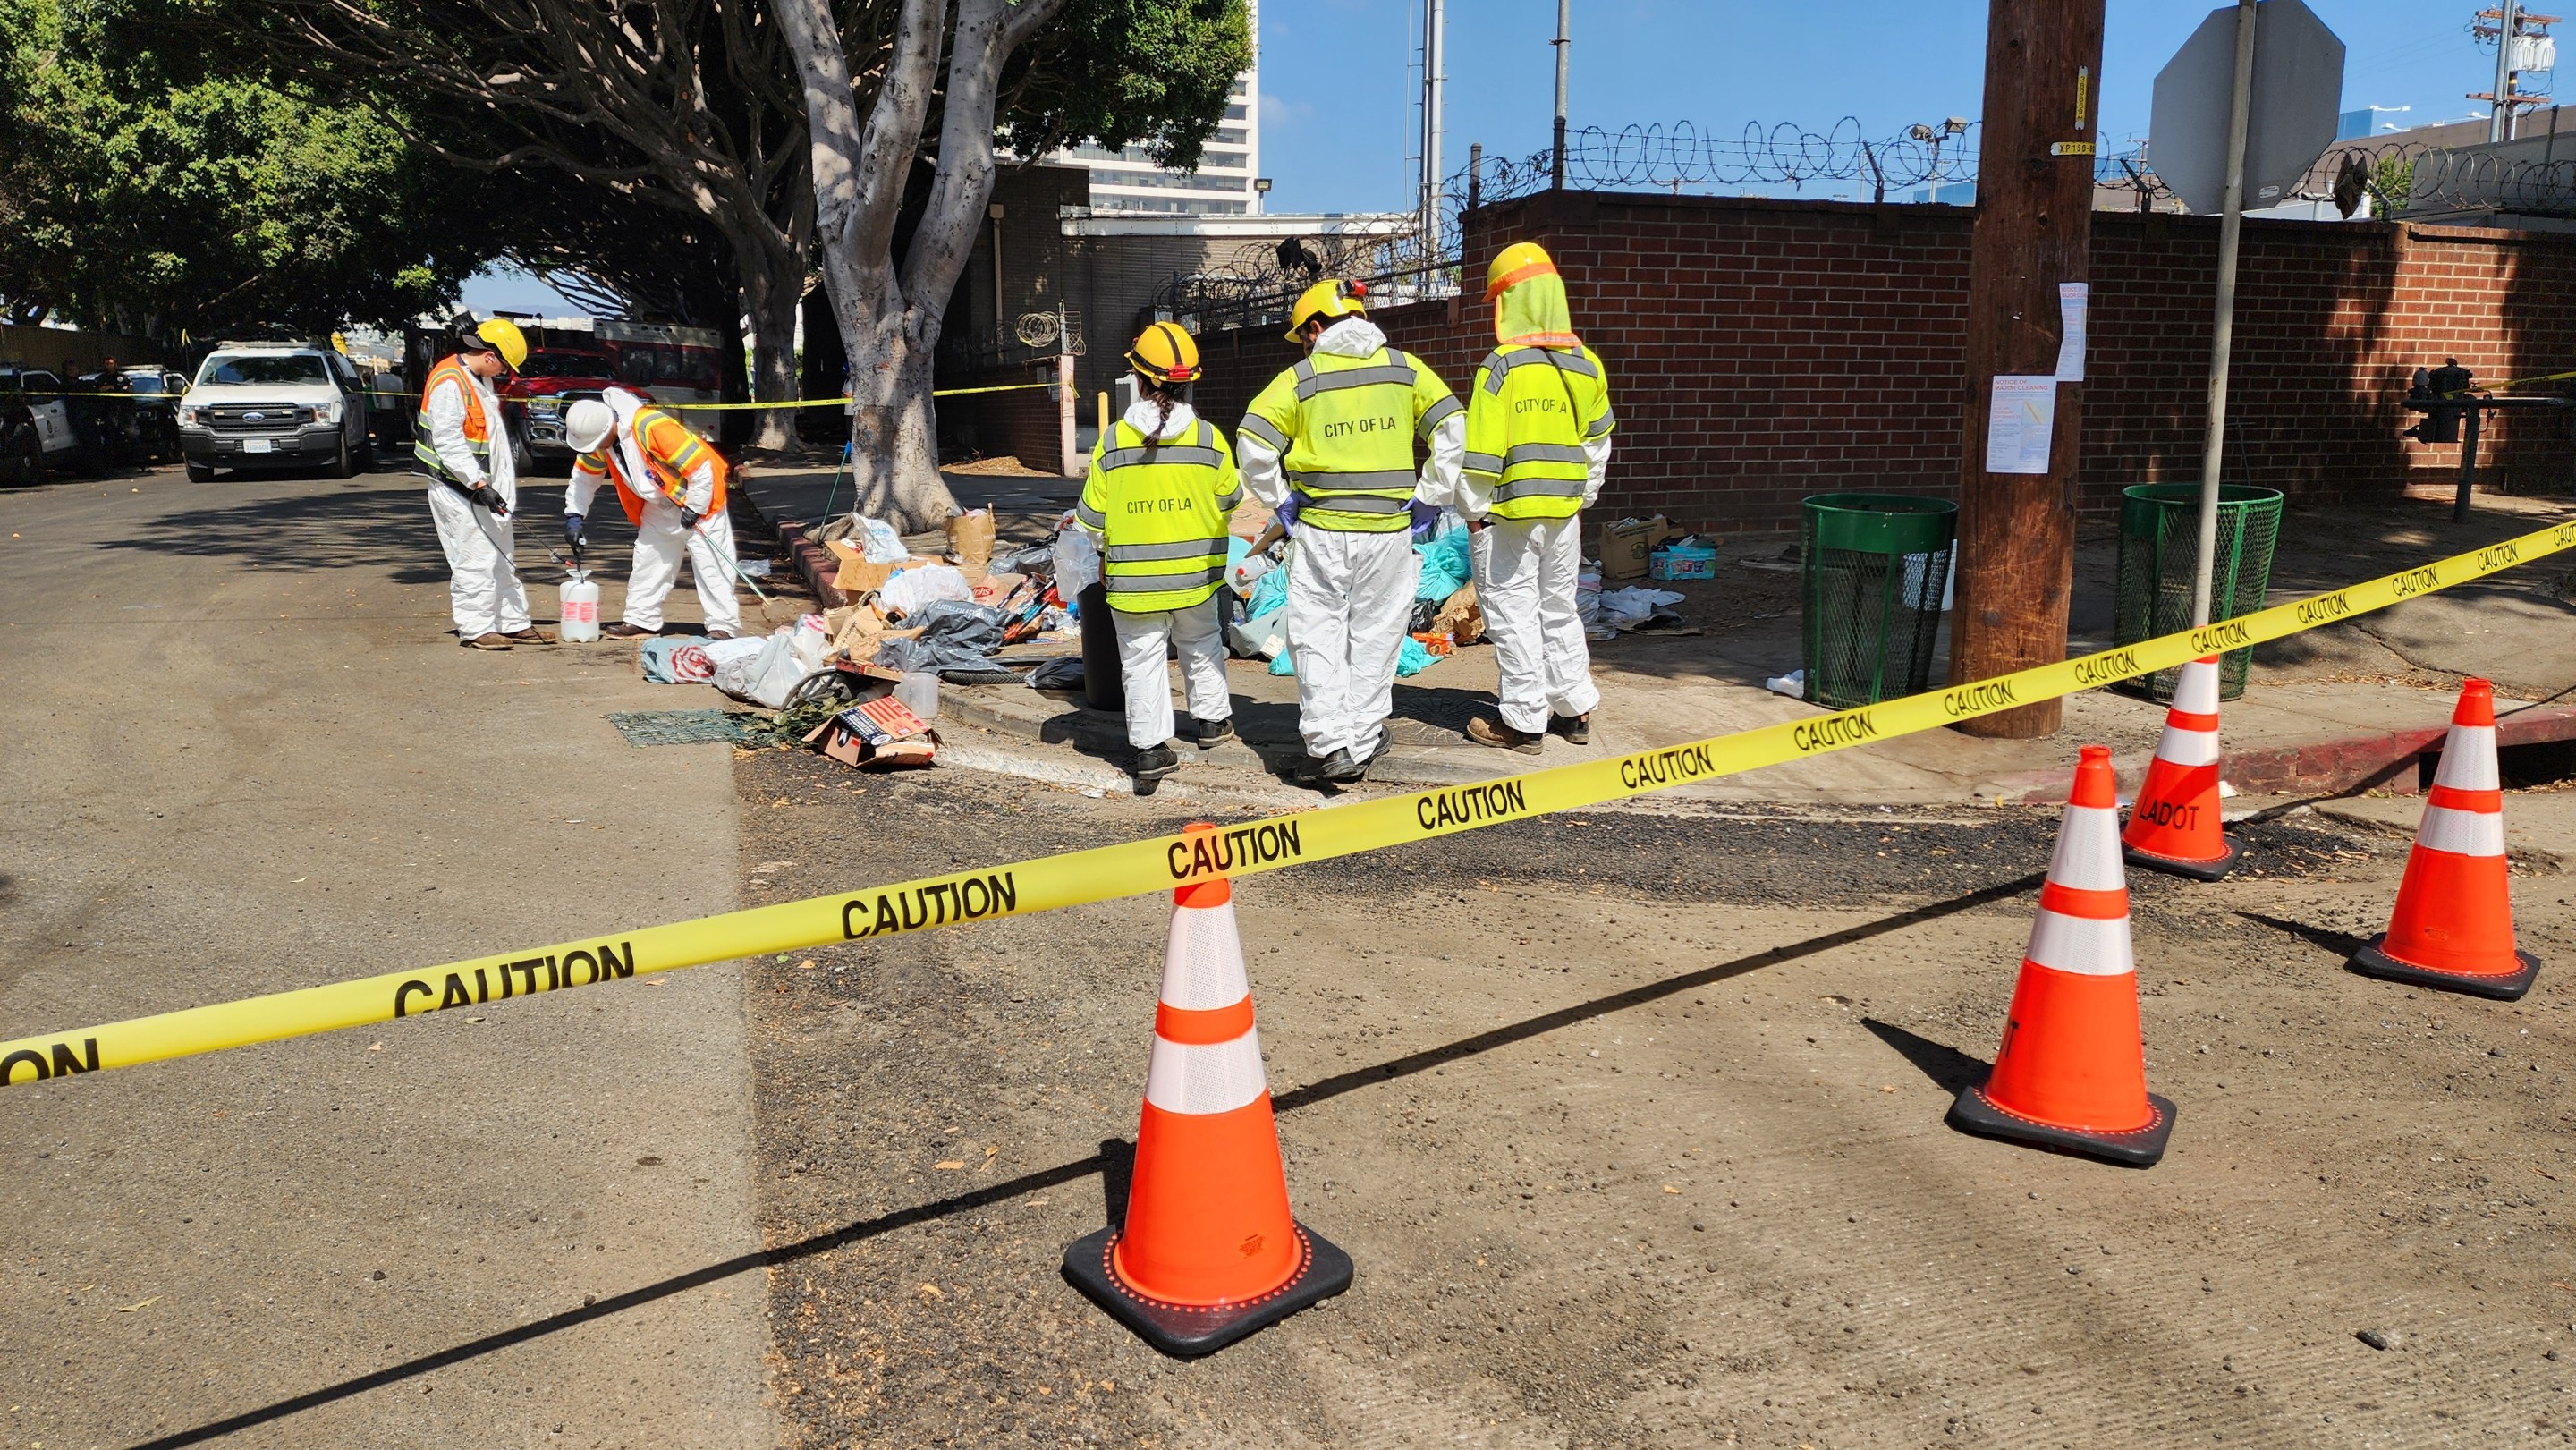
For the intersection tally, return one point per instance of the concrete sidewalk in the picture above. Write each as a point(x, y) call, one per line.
point(2348, 706)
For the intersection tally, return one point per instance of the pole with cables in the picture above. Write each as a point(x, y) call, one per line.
point(1564, 45)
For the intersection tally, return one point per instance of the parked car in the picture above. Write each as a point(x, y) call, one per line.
point(274, 404)
point(131, 414)
point(552, 380)
point(45, 434)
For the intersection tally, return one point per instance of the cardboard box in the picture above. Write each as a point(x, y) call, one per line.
point(970, 539)
point(1627, 547)
point(878, 734)
point(857, 576)
point(1685, 563)
point(1461, 617)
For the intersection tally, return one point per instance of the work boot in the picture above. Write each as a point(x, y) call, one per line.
point(531, 635)
point(1342, 768)
point(1502, 736)
point(1577, 729)
point(622, 630)
point(485, 641)
point(1212, 733)
point(1154, 763)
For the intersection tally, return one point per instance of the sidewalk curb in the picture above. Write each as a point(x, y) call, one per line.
point(2389, 759)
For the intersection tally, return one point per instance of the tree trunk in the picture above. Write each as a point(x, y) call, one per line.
point(889, 320)
point(772, 281)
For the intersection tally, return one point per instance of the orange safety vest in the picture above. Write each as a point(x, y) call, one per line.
point(670, 452)
point(478, 428)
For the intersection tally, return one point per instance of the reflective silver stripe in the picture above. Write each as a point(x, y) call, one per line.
point(2088, 850)
point(1539, 488)
point(1160, 583)
point(2088, 946)
point(1185, 549)
point(1358, 503)
point(1493, 367)
point(2461, 833)
point(1167, 453)
point(1484, 462)
point(1216, 1078)
point(1090, 516)
point(1207, 434)
point(1259, 427)
point(1382, 375)
point(1437, 413)
point(1544, 453)
point(1320, 482)
point(1228, 499)
point(1500, 364)
point(1601, 425)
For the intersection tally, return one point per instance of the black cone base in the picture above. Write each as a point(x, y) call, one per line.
point(2191, 870)
point(1186, 1331)
point(1975, 1113)
point(2370, 961)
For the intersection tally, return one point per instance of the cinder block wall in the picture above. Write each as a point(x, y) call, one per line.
point(1764, 350)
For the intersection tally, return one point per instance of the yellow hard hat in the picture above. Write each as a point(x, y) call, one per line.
point(1166, 353)
point(506, 339)
point(1517, 263)
point(1331, 297)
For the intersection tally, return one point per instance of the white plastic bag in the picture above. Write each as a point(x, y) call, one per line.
point(913, 588)
point(766, 676)
point(879, 542)
point(1077, 560)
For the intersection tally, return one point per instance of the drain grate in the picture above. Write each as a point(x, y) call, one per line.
point(677, 727)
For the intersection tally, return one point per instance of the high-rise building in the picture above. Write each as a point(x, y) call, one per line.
point(1128, 180)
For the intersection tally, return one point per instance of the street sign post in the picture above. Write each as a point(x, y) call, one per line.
point(2243, 109)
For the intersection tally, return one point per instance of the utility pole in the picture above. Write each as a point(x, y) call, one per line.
point(1435, 25)
point(1564, 47)
point(2500, 114)
point(2034, 232)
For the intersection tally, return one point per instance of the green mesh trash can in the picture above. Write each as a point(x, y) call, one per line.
point(1876, 567)
point(2159, 553)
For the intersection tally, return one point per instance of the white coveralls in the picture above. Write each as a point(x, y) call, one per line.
point(1350, 595)
point(1525, 579)
point(660, 542)
point(1195, 633)
point(483, 590)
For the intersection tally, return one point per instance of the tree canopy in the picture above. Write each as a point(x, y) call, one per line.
point(143, 187)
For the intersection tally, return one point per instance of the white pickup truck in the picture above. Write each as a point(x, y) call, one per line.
point(257, 405)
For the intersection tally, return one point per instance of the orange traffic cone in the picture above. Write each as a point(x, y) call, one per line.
point(2072, 1072)
point(2174, 826)
point(1209, 1253)
point(2453, 924)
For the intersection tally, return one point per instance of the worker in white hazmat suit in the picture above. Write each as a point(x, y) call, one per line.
point(1538, 446)
point(462, 445)
point(1329, 446)
point(672, 485)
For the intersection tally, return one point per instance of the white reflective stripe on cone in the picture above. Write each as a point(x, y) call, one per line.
point(1203, 960)
point(2084, 944)
point(2468, 759)
point(2462, 833)
point(2187, 747)
point(2196, 693)
point(2088, 850)
point(1217, 1079)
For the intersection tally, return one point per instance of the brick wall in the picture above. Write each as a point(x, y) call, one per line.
point(1764, 350)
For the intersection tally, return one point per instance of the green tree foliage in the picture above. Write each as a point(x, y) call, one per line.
point(142, 187)
point(1128, 72)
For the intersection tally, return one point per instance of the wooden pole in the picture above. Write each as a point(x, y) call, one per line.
point(2034, 231)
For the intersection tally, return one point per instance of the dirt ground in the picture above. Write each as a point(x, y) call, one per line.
point(1633, 1124)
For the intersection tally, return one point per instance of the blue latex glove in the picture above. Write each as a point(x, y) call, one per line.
point(1426, 516)
point(1287, 511)
point(572, 531)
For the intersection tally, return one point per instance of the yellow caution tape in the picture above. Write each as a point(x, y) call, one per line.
point(675, 406)
point(1159, 863)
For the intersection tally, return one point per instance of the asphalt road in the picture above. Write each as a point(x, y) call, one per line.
point(244, 754)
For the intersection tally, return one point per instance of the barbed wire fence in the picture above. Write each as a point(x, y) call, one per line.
point(1925, 163)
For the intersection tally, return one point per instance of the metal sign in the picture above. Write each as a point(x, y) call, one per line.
point(2298, 89)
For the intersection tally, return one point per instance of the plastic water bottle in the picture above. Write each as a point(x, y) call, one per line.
point(578, 602)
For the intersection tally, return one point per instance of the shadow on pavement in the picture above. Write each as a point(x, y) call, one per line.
point(1950, 1069)
point(1113, 1160)
point(375, 527)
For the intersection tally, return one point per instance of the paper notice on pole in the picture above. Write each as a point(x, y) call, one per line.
point(2020, 419)
point(2072, 300)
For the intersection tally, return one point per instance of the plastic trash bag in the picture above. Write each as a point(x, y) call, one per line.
point(911, 589)
point(1446, 565)
point(878, 540)
point(1077, 561)
point(955, 635)
point(1058, 674)
point(766, 676)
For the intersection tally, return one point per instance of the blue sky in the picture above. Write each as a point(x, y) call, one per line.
point(1338, 92)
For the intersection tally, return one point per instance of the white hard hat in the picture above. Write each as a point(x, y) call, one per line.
point(587, 423)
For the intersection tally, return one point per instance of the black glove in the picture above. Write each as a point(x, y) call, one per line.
point(572, 531)
point(689, 518)
point(486, 496)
